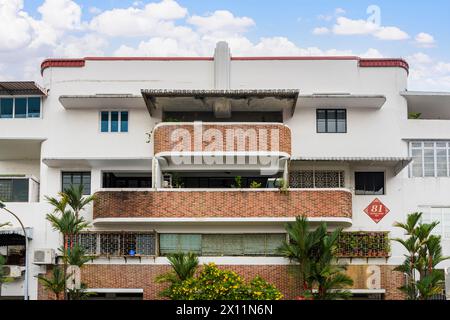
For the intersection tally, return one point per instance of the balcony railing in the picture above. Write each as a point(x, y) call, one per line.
point(224, 203)
point(249, 137)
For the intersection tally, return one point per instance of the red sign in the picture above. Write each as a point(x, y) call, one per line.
point(376, 210)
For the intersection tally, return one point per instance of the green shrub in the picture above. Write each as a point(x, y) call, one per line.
point(216, 284)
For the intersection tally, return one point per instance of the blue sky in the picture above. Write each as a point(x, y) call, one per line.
point(32, 30)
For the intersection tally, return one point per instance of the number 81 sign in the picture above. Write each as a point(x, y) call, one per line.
point(376, 210)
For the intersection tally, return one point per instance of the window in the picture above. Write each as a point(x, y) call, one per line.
point(317, 179)
point(369, 183)
point(222, 244)
point(430, 159)
point(114, 121)
point(331, 120)
point(76, 179)
point(14, 190)
point(20, 107)
point(440, 214)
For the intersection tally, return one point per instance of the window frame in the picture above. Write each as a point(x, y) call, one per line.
point(12, 179)
point(422, 148)
point(370, 171)
point(326, 110)
point(26, 108)
point(72, 172)
point(119, 121)
point(443, 223)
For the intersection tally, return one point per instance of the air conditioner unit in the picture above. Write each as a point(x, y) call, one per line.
point(273, 183)
point(13, 271)
point(44, 256)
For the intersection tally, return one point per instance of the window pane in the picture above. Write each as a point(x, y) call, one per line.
point(331, 121)
point(114, 121)
point(369, 183)
point(145, 244)
point(255, 244)
point(417, 170)
point(378, 182)
point(168, 243)
point(34, 107)
point(212, 245)
point(20, 190)
point(191, 243)
point(6, 108)
point(273, 242)
point(341, 121)
point(109, 244)
point(76, 179)
point(429, 162)
point(6, 190)
point(105, 121)
point(441, 158)
point(233, 245)
point(321, 121)
point(124, 121)
point(21, 108)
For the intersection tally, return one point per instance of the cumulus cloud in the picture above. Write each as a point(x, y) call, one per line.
point(346, 26)
point(425, 40)
point(221, 22)
point(321, 30)
point(14, 26)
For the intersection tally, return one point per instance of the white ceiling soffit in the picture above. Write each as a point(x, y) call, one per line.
point(125, 101)
point(431, 105)
point(98, 162)
point(341, 101)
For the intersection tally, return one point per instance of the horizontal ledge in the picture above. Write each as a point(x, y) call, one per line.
point(126, 101)
point(223, 190)
point(114, 290)
point(341, 100)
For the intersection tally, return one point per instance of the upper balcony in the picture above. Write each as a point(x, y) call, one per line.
point(222, 205)
point(221, 137)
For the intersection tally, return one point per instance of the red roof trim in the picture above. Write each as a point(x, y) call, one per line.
point(149, 58)
point(384, 63)
point(294, 58)
point(62, 63)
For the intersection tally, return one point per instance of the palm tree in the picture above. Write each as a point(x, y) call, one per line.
point(3, 277)
point(315, 253)
point(75, 199)
point(424, 254)
point(184, 266)
point(56, 283)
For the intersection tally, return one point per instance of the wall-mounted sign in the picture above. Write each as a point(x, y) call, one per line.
point(376, 210)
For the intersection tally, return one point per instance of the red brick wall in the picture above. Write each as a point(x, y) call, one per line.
point(232, 204)
point(163, 139)
point(143, 276)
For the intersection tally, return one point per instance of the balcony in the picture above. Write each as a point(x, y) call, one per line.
point(333, 205)
point(227, 137)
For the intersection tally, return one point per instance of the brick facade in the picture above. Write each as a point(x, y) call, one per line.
point(165, 142)
point(143, 277)
point(229, 204)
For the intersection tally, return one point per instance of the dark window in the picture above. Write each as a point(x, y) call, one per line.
point(124, 121)
point(14, 190)
point(6, 107)
point(127, 180)
point(331, 120)
point(21, 108)
point(114, 121)
point(34, 107)
point(76, 179)
point(105, 121)
point(369, 183)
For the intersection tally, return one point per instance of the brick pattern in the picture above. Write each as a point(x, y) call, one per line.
point(230, 204)
point(164, 142)
point(143, 277)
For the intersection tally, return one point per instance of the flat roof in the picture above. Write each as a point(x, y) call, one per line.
point(17, 88)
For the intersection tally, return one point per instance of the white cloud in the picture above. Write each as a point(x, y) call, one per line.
point(425, 40)
point(340, 11)
point(87, 45)
point(95, 10)
point(321, 30)
point(346, 26)
point(61, 14)
point(221, 22)
point(14, 26)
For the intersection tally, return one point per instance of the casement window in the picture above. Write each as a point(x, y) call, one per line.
point(369, 183)
point(430, 159)
point(331, 120)
point(222, 244)
point(76, 179)
point(20, 108)
point(441, 215)
point(307, 179)
point(14, 190)
point(114, 121)
point(117, 244)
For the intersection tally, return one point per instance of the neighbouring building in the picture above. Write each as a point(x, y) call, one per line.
point(195, 154)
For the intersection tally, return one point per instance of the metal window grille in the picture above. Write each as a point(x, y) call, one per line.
point(309, 179)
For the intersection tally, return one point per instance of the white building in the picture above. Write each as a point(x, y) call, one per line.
point(337, 127)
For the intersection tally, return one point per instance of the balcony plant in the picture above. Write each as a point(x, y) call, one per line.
point(321, 277)
point(3, 277)
point(424, 253)
point(255, 185)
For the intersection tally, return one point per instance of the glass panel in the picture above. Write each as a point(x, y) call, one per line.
point(6, 189)
point(341, 121)
point(20, 190)
point(145, 244)
point(212, 245)
point(168, 243)
point(34, 107)
point(6, 108)
point(441, 162)
point(233, 245)
point(273, 242)
point(254, 244)
point(331, 121)
point(86, 181)
point(20, 108)
point(416, 144)
point(360, 183)
point(191, 243)
point(124, 121)
point(417, 169)
point(378, 182)
point(114, 121)
point(429, 162)
point(321, 121)
point(105, 121)
point(369, 183)
point(109, 244)
point(88, 241)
